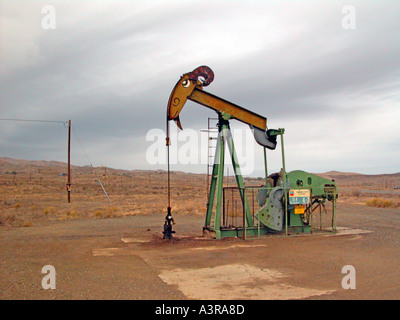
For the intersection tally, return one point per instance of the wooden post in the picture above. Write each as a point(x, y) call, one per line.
point(69, 162)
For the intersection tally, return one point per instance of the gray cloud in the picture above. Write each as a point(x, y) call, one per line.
point(110, 67)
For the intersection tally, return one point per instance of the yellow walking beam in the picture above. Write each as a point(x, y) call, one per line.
point(213, 102)
point(188, 88)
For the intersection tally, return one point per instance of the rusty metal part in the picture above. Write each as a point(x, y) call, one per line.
point(202, 72)
point(184, 88)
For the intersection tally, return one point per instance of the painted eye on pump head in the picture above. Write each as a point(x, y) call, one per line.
point(186, 83)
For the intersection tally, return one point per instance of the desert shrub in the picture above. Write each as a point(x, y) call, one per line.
point(11, 220)
point(97, 213)
point(73, 214)
point(26, 223)
point(372, 203)
point(379, 203)
point(355, 192)
point(70, 215)
point(387, 204)
point(106, 212)
point(49, 210)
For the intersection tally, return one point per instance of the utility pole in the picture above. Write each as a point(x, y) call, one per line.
point(69, 162)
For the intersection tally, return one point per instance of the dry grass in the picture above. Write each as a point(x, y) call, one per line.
point(26, 223)
point(69, 215)
point(379, 203)
point(377, 200)
point(106, 212)
point(11, 220)
point(48, 210)
point(38, 194)
point(355, 192)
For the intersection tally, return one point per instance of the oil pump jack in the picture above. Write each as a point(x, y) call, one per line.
point(285, 202)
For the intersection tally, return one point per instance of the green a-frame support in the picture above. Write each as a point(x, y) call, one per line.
point(217, 179)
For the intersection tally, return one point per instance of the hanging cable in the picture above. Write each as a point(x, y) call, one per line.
point(32, 120)
point(168, 142)
point(65, 123)
point(168, 219)
point(84, 150)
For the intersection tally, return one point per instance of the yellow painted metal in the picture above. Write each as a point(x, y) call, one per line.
point(299, 209)
point(216, 103)
point(188, 89)
point(179, 95)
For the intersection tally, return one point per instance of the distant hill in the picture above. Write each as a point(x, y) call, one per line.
point(342, 178)
point(20, 163)
point(363, 180)
point(354, 175)
point(27, 166)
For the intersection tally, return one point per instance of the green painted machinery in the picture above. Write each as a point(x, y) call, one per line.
point(288, 204)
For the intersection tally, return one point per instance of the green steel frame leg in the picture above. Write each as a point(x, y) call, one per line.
point(334, 211)
point(220, 186)
point(216, 186)
point(284, 181)
point(266, 166)
point(238, 175)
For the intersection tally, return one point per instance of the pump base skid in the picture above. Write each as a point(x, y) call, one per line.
point(252, 232)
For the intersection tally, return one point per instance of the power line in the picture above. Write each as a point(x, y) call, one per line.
point(65, 123)
point(84, 150)
point(33, 120)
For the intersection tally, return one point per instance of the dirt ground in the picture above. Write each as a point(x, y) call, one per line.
point(126, 258)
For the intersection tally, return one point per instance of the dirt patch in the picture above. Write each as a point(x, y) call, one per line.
point(234, 282)
point(111, 252)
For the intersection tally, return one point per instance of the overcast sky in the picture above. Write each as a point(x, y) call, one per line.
point(331, 81)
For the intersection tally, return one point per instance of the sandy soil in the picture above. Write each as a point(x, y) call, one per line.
point(125, 258)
